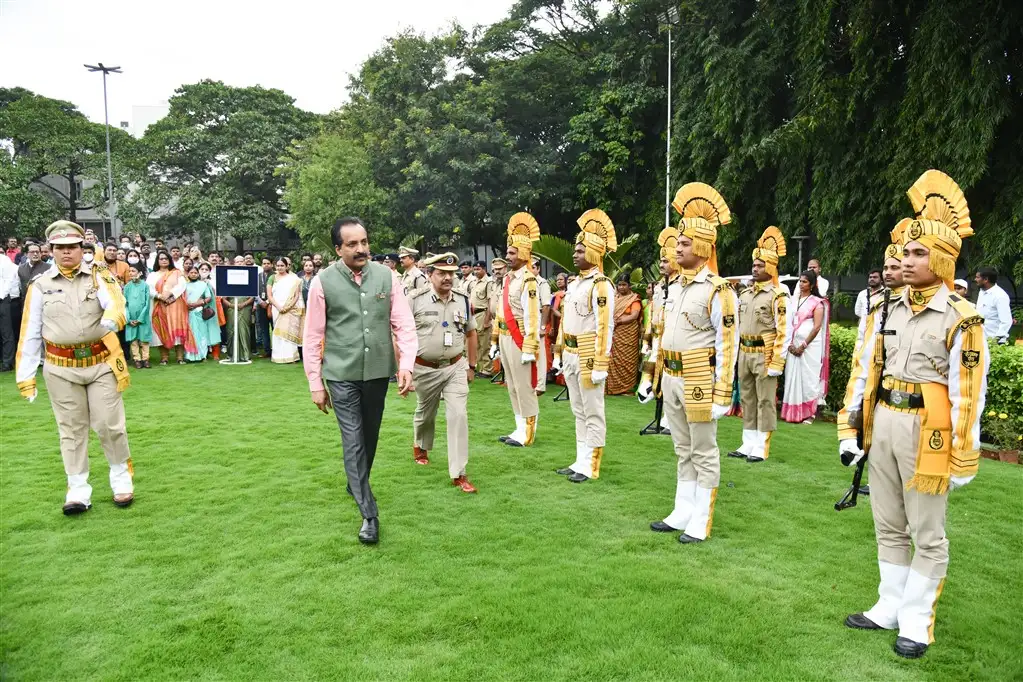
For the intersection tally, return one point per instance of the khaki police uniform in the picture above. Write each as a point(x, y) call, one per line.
point(441, 367)
point(762, 354)
point(413, 279)
point(480, 292)
point(918, 386)
point(584, 346)
point(70, 326)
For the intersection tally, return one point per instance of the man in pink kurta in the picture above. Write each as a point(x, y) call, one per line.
point(354, 306)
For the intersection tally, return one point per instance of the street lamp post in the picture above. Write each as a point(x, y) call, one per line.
point(668, 19)
point(106, 120)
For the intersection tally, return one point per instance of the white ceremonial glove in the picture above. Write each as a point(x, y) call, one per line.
point(493, 351)
point(645, 350)
point(645, 392)
point(528, 358)
point(556, 366)
point(598, 377)
point(774, 372)
point(109, 325)
point(719, 411)
point(957, 482)
point(848, 445)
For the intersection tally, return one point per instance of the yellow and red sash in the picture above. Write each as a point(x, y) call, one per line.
point(513, 329)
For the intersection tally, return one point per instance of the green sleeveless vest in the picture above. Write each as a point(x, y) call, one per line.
point(358, 339)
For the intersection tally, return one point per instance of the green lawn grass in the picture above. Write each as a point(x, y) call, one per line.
point(239, 559)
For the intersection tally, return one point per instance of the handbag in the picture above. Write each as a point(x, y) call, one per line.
point(207, 310)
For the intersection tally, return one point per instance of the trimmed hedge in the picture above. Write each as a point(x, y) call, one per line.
point(1004, 380)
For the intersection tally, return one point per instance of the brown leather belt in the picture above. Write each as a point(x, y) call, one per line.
point(438, 364)
point(76, 352)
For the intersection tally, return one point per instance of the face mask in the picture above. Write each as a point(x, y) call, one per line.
point(133, 260)
point(88, 257)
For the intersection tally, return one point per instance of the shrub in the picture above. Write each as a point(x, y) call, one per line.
point(1004, 380)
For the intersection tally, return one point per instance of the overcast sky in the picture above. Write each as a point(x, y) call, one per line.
point(306, 48)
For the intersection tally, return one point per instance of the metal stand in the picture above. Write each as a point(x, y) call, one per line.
point(235, 360)
point(849, 499)
point(654, 428)
point(497, 378)
point(562, 396)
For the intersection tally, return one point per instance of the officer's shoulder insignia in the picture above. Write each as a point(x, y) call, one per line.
point(719, 282)
point(781, 292)
point(970, 358)
point(416, 293)
point(461, 292)
point(601, 278)
point(107, 277)
point(728, 320)
point(965, 309)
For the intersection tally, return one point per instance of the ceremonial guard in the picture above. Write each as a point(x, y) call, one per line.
point(763, 347)
point(73, 312)
point(583, 349)
point(916, 392)
point(517, 334)
point(698, 353)
point(480, 291)
point(445, 325)
point(653, 366)
point(412, 277)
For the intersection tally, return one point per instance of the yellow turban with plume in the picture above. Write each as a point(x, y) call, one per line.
point(668, 240)
point(703, 212)
point(942, 222)
point(523, 230)
point(598, 236)
point(894, 250)
point(770, 248)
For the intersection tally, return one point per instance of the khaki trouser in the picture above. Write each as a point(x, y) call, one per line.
point(758, 393)
point(541, 368)
point(431, 384)
point(82, 398)
point(517, 378)
point(484, 365)
point(140, 351)
point(695, 442)
point(903, 516)
point(587, 403)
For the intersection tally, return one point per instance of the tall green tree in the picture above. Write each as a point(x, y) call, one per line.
point(211, 163)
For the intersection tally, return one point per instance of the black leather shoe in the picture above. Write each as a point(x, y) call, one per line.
point(907, 648)
point(502, 439)
point(753, 460)
point(688, 539)
point(861, 622)
point(567, 471)
point(513, 443)
point(662, 527)
point(578, 478)
point(865, 490)
point(73, 508)
point(736, 453)
point(370, 533)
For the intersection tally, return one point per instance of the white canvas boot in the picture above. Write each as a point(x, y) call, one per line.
point(79, 494)
point(583, 460)
point(698, 528)
point(757, 452)
point(748, 444)
point(885, 613)
point(916, 614)
point(685, 498)
point(664, 425)
point(518, 436)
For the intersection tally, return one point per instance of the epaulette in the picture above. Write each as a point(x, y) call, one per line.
point(601, 278)
point(780, 291)
point(746, 289)
point(460, 292)
point(719, 282)
point(969, 317)
point(416, 293)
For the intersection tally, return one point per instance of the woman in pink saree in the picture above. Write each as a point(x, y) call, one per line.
point(806, 369)
point(170, 312)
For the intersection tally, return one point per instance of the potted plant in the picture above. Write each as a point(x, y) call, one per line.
point(1003, 435)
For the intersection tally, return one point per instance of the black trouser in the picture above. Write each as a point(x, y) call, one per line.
point(263, 328)
point(8, 341)
point(359, 408)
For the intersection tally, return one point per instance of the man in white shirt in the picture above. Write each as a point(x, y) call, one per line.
point(10, 297)
point(822, 284)
point(993, 305)
point(870, 294)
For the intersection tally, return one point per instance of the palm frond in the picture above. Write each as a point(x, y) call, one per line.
point(556, 250)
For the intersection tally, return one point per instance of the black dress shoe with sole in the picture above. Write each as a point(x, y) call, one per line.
point(370, 533)
point(736, 453)
point(73, 508)
point(688, 539)
point(513, 443)
point(567, 471)
point(502, 439)
point(907, 648)
point(754, 460)
point(578, 478)
point(860, 622)
point(662, 527)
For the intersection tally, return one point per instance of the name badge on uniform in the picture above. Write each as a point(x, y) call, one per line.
point(449, 339)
